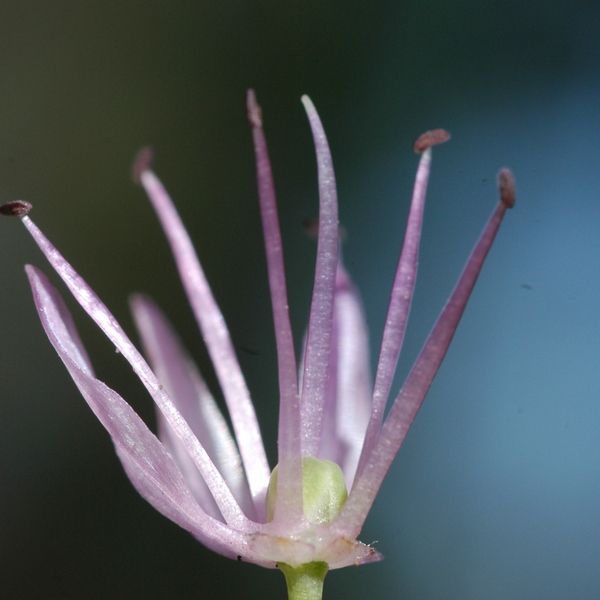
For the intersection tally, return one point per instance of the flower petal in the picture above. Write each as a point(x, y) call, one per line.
point(147, 463)
point(348, 398)
point(216, 337)
point(184, 384)
point(86, 297)
point(318, 341)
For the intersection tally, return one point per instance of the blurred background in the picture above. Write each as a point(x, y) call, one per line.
point(496, 491)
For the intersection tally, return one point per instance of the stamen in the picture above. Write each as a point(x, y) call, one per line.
point(416, 386)
point(402, 293)
point(15, 208)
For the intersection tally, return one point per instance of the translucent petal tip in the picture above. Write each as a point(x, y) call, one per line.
point(142, 162)
point(254, 111)
point(430, 138)
point(307, 102)
point(15, 208)
point(506, 186)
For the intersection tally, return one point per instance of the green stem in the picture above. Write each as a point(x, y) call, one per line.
point(306, 581)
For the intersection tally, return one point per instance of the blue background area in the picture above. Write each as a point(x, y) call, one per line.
point(496, 491)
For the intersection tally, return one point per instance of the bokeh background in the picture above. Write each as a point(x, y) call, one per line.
point(496, 491)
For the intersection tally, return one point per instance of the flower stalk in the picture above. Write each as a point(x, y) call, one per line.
point(306, 581)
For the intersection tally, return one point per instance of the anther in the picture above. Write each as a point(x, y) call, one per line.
point(311, 228)
point(142, 162)
point(15, 208)
point(506, 186)
point(430, 138)
point(253, 109)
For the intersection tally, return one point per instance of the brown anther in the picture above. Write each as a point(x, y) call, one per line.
point(430, 138)
point(15, 208)
point(253, 109)
point(311, 228)
point(506, 186)
point(142, 162)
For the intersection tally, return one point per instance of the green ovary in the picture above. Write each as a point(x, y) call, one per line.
point(323, 490)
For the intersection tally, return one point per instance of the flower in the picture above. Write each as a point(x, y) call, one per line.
point(332, 435)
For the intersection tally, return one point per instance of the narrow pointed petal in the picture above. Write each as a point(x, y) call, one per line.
point(90, 302)
point(318, 342)
point(348, 398)
point(184, 384)
point(289, 498)
point(211, 532)
point(402, 293)
point(419, 380)
point(57, 320)
point(215, 334)
point(148, 465)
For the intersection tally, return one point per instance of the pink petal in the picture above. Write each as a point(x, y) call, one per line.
point(348, 398)
point(216, 337)
point(318, 343)
point(148, 465)
point(184, 384)
point(105, 320)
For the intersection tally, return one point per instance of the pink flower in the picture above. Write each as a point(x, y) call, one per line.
point(213, 483)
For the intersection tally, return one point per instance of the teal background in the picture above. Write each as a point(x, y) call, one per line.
point(496, 491)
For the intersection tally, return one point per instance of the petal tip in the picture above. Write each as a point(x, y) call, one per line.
point(308, 105)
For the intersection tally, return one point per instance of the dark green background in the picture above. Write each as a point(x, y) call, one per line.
point(496, 492)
